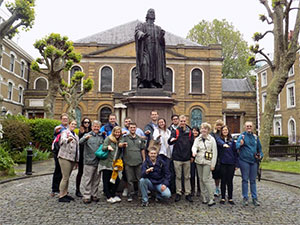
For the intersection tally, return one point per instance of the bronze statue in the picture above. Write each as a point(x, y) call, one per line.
point(150, 53)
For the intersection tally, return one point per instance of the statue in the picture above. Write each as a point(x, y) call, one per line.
point(150, 53)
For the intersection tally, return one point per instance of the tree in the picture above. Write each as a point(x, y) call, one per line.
point(57, 55)
point(22, 16)
point(235, 49)
point(285, 50)
point(71, 94)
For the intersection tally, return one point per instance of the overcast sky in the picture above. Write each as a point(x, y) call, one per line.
point(78, 19)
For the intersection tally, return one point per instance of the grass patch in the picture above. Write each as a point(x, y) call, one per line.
point(284, 166)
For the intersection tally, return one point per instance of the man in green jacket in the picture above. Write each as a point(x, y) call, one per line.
point(133, 157)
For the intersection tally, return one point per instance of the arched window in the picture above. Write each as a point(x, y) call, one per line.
point(41, 84)
point(12, 62)
point(104, 113)
point(22, 71)
point(169, 80)
point(197, 81)
point(20, 97)
point(292, 131)
point(10, 91)
point(277, 128)
point(78, 116)
point(196, 117)
point(133, 79)
point(72, 72)
point(106, 79)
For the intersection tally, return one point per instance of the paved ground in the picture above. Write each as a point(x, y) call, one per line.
point(27, 201)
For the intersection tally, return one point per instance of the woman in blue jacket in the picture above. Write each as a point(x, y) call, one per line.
point(228, 159)
point(249, 152)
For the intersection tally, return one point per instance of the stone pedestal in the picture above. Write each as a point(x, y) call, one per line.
point(140, 103)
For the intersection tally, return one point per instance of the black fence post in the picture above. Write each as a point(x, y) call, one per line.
point(29, 160)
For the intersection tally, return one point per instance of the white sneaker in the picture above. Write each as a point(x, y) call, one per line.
point(117, 199)
point(111, 200)
point(125, 192)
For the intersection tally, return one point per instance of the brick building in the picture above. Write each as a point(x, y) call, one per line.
point(193, 77)
point(287, 111)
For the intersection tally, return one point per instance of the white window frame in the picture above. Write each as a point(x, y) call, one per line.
point(22, 72)
point(263, 101)
point(275, 127)
point(20, 100)
point(10, 97)
point(288, 102)
point(34, 83)
point(69, 76)
point(290, 135)
point(277, 107)
point(14, 64)
point(130, 80)
point(191, 73)
point(112, 77)
point(291, 71)
point(264, 79)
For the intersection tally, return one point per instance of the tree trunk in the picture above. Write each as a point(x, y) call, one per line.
point(49, 102)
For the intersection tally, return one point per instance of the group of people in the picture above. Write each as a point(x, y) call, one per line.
point(160, 160)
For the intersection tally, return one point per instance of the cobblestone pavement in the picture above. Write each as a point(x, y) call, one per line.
point(28, 202)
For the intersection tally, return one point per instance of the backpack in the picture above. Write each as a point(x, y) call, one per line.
point(177, 134)
point(56, 144)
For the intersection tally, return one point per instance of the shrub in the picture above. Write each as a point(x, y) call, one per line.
point(6, 162)
point(42, 131)
point(21, 157)
point(283, 140)
point(16, 133)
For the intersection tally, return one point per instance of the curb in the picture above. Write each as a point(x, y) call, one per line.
point(23, 177)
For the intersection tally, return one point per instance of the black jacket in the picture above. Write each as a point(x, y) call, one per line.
point(182, 150)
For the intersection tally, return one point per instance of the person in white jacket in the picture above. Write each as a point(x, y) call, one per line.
point(205, 152)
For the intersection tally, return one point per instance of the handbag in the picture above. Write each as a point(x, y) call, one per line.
point(100, 154)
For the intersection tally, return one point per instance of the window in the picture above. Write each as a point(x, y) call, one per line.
point(277, 127)
point(10, 91)
point(264, 79)
point(12, 63)
point(196, 81)
point(196, 118)
point(22, 72)
point(292, 131)
point(290, 94)
point(104, 113)
point(20, 99)
point(72, 72)
point(291, 71)
point(263, 101)
point(278, 103)
point(169, 80)
point(41, 83)
point(133, 84)
point(106, 79)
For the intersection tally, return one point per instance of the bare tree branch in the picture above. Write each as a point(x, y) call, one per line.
point(268, 60)
point(294, 40)
point(265, 3)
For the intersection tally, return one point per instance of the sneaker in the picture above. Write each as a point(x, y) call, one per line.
point(231, 202)
point(54, 193)
point(217, 192)
point(189, 198)
point(125, 192)
point(222, 201)
point(255, 202)
point(245, 202)
point(117, 199)
point(177, 198)
point(64, 199)
point(211, 202)
point(129, 199)
point(111, 200)
point(145, 204)
point(204, 200)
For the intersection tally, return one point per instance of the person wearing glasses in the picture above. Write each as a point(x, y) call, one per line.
point(85, 127)
point(250, 152)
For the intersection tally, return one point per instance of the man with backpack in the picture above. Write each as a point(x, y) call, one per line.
point(57, 176)
point(155, 177)
point(182, 139)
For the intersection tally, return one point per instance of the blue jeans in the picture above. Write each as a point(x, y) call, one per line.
point(145, 185)
point(249, 172)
